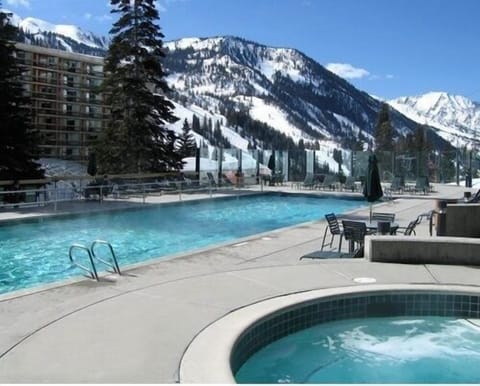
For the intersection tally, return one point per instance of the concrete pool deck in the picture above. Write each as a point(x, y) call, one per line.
point(136, 327)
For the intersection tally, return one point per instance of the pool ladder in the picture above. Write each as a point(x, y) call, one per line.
point(92, 273)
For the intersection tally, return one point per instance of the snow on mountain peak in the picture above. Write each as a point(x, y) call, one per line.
point(38, 26)
point(455, 116)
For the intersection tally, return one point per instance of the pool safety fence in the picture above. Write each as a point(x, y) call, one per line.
point(51, 192)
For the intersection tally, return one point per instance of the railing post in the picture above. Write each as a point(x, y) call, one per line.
point(457, 168)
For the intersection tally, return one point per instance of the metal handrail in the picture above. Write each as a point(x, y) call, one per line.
point(114, 264)
point(93, 272)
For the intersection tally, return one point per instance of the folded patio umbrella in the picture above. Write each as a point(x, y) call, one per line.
point(372, 190)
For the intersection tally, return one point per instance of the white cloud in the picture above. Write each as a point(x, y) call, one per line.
point(347, 71)
point(19, 3)
point(87, 16)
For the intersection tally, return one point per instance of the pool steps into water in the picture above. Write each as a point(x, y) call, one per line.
point(92, 273)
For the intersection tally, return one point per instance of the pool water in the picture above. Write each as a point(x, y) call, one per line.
point(371, 350)
point(36, 251)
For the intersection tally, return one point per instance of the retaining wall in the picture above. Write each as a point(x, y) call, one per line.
point(423, 250)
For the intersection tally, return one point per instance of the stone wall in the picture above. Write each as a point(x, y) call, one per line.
point(463, 220)
point(423, 250)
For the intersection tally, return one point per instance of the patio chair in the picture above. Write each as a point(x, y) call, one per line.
point(429, 216)
point(475, 199)
point(378, 216)
point(385, 217)
point(335, 229)
point(355, 232)
point(410, 228)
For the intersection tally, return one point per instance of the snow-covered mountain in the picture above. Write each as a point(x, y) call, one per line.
point(292, 95)
point(60, 36)
point(456, 117)
point(280, 87)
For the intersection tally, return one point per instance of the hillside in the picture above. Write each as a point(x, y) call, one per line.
point(280, 87)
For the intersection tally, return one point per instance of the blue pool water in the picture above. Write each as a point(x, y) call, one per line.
point(36, 252)
point(371, 350)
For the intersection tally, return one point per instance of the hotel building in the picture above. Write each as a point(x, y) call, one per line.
point(66, 111)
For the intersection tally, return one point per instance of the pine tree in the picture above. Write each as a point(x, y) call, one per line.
point(338, 157)
point(18, 149)
point(195, 124)
point(136, 139)
point(420, 139)
point(384, 130)
point(187, 145)
point(422, 146)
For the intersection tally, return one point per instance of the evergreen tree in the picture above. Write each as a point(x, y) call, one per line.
point(187, 145)
point(422, 146)
point(195, 124)
point(420, 139)
point(18, 149)
point(136, 139)
point(384, 130)
point(338, 157)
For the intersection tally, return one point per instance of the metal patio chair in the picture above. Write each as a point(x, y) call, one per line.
point(335, 230)
point(355, 232)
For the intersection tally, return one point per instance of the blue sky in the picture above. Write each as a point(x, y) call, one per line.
point(388, 48)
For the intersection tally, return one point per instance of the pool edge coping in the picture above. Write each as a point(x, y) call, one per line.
point(207, 357)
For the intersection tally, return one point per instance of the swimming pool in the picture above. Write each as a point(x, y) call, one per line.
point(35, 252)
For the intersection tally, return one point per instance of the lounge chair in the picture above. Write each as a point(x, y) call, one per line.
point(349, 184)
point(398, 184)
point(335, 230)
point(225, 181)
point(309, 181)
point(277, 178)
point(422, 185)
point(328, 182)
point(211, 179)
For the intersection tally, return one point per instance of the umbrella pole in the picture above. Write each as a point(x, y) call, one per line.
point(371, 208)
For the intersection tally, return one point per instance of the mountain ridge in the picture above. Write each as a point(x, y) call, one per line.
point(65, 37)
point(456, 117)
point(308, 102)
point(241, 74)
